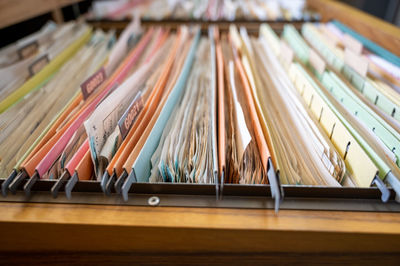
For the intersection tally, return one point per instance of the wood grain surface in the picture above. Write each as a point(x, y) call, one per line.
point(14, 11)
point(67, 227)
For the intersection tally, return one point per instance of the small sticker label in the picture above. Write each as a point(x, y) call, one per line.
point(28, 50)
point(130, 115)
point(317, 62)
point(330, 37)
point(93, 82)
point(352, 44)
point(38, 64)
point(286, 53)
point(357, 62)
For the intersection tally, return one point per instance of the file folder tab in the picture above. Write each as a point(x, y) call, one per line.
point(93, 82)
point(38, 64)
point(28, 49)
point(128, 118)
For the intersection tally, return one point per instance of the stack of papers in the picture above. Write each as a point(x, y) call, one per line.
point(164, 106)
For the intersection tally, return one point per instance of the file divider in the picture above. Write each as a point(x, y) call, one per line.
point(110, 184)
point(130, 180)
point(275, 186)
point(245, 196)
point(31, 181)
point(221, 188)
point(381, 186)
point(70, 185)
point(104, 181)
point(17, 181)
point(217, 186)
point(58, 184)
point(7, 182)
point(120, 181)
point(257, 190)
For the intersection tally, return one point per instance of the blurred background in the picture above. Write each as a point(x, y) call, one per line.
point(388, 10)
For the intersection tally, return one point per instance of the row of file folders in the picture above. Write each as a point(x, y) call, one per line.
point(319, 107)
point(205, 10)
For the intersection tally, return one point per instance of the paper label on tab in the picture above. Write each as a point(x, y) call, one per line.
point(38, 64)
point(93, 82)
point(28, 50)
point(352, 44)
point(286, 54)
point(330, 37)
point(130, 115)
point(317, 62)
point(357, 62)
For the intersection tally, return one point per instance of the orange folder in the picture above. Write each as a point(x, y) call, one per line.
point(54, 127)
point(85, 169)
point(261, 142)
point(118, 75)
point(146, 114)
point(125, 144)
point(221, 106)
point(80, 153)
point(144, 135)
